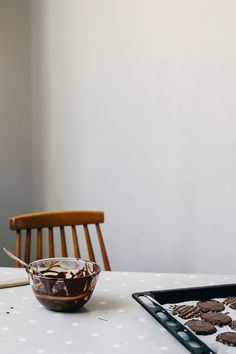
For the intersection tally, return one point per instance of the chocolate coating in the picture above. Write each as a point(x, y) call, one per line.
point(201, 327)
point(216, 318)
point(210, 306)
point(228, 338)
point(185, 311)
point(233, 324)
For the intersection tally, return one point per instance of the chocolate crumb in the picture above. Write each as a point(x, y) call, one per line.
point(102, 319)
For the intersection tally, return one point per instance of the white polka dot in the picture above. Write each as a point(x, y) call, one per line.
point(40, 306)
point(57, 315)
point(41, 351)
point(25, 298)
point(116, 345)
point(5, 328)
point(32, 321)
point(123, 284)
point(119, 326)
point(226, 278)
point(120, 310)
point(102, 302)
point(6, 273)
point(141, 319)
point(105, 290)
point(159, 287)
point(10, 290)
point(192, 276)
point(15, 312)
point(123, 296)
point(22, 339)
point(125, 273)
point(140, 337)
point(50, 331)
point(211, 284)
point(108, 279)
point(158, 275)
point(176, 281)
point(68, 342)
point(164, 348)
point(141, 280)
point(94, 334)
point(2, 303)
point(74, 324)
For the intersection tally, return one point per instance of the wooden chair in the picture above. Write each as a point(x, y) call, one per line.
point(35, 224)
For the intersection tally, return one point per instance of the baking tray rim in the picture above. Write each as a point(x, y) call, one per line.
point(226, 288)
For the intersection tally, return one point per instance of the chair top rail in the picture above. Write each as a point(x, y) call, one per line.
point(55, 219)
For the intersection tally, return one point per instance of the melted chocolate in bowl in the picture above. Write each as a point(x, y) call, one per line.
point(66, 284)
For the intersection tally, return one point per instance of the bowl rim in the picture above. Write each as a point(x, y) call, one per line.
point(65, 259)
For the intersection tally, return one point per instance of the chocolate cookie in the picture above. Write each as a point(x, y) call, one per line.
point(231, 301)
point(201, 327)
point(185, 311)
point(216, 318)
point(228, 338)
point(232, 325)
point(210, 306)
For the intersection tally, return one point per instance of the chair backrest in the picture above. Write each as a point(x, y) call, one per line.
point(36, 224)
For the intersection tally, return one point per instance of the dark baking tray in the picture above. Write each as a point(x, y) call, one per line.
point(152, 302)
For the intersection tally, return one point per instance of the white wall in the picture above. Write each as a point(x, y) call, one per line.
point(15, 128)
point(134, 113)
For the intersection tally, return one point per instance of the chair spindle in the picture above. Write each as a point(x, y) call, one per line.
point(18, 247)
point(63, 242)
point(75, 242)
point(50, 243)
point(89, 244)
point(39, 244)
point(102, 248)
point(27, 245)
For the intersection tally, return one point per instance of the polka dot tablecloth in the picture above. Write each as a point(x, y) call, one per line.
point(111, 322)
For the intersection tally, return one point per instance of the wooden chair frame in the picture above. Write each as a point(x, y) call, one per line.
point(59, 219)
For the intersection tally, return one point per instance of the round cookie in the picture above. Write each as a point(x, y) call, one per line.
point(233, 324)
point(228, 338)
point(216, 318)
point(210, 306)
point(201, 327)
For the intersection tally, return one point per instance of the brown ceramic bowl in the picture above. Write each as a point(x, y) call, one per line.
point(64, 284)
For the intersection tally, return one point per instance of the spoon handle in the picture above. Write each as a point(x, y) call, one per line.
point(15, 258)
point(27, 266)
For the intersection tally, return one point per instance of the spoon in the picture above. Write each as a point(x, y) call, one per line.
point(26, 265)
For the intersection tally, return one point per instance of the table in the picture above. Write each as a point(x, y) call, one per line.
point(111, 322)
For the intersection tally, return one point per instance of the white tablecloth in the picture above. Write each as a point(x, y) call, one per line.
point(111, 322)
